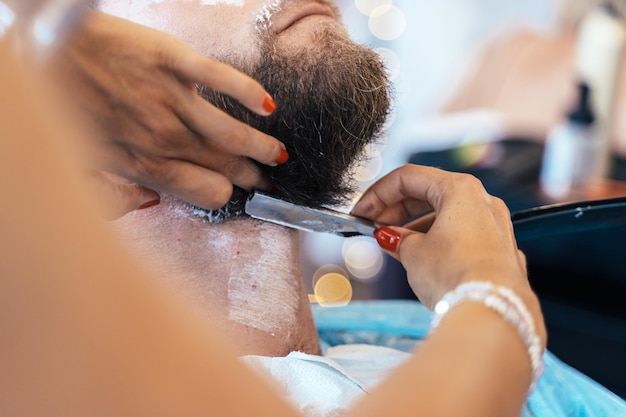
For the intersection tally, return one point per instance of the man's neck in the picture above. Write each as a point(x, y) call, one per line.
point(243, 274)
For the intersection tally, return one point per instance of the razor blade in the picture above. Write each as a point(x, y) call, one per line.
point(271, 209)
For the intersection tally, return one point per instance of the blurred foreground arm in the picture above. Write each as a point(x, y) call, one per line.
point(85, 331)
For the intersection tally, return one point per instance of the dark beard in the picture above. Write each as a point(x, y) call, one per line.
point(333, 99)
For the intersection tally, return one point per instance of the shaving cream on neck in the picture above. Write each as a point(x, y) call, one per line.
point(264, 289)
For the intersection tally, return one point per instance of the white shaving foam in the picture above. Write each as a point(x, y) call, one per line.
point(263, 20)
point(254, 287)
point(236, 3)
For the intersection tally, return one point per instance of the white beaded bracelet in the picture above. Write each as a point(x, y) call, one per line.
point(508, 305)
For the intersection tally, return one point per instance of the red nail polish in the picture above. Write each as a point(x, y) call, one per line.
point(387, 238)
point(149, 204)
point(268, 104)
point(283, 157)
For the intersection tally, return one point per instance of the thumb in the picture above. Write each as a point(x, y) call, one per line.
point(390, 238)
point(117, 196)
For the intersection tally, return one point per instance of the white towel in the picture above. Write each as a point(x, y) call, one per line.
point(325, 386)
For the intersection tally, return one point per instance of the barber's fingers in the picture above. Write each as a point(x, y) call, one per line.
point(213, 125)
point(117, 197)
point(206, 181)
point(401, 195)
point(239, 170)
point(500, 212)
point(223, 78)
point(413, 190)
point(421, 224)
point(461, 205)
point(390, 238)
point(425, 271)
point(194, 184)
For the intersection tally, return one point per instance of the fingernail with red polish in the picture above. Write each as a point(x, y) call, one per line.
point(283, 157)
point(268, 104)
point(387, 238)
point(149, 204)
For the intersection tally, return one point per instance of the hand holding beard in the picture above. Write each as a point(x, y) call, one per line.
point(333, 99)
point(138, 85)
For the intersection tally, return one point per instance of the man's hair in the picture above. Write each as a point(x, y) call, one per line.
point(333, 100)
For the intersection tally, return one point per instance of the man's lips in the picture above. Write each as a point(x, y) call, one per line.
point(288, 18)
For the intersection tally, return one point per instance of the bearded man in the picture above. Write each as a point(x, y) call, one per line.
point(332, 99)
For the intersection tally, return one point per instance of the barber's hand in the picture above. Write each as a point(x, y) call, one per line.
point(139, 86)
point(466, 236)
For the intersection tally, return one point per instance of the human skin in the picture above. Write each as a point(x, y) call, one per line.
point(293, 21)
point(217, 39)
point(243, 274)
point(136, 347)
point(138, 87)
point(89, 331)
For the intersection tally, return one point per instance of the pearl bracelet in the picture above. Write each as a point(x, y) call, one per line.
point(508, 305)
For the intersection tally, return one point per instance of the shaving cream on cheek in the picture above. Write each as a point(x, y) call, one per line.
point(263, 293)
point(263, 20)
point(148, 12)
point(238, 3)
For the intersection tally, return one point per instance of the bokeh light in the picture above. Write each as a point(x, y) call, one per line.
point(391, 61)
point(480, 154)
point(367, 7)
point(403, 89)
point(372, 166)
point(391, 119)
point(363, 257)
point(7, 17)
point(322, 248)
point(387, 22)
point(331, 287)
point(43, 33)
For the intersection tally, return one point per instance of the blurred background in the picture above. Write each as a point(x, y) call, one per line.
point(479, 87)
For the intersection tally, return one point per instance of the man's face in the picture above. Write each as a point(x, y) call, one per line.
point(332, 94)
point(218, 28)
